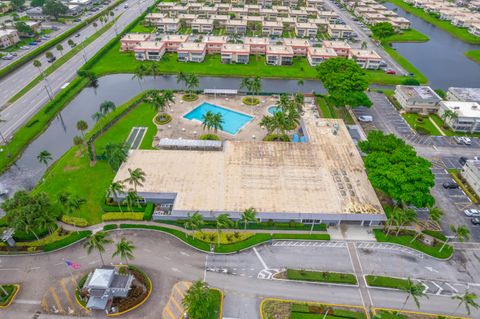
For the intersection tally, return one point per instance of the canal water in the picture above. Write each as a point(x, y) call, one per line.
point(119, 88)
point(441, 59)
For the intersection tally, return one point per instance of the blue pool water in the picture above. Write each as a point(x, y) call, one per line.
point(273, 109)
point(232, 121)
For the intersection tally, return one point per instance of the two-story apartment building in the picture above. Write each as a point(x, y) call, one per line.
point(339, 31)
point(192, 51)
point(315, 55)
point(236, 26)
point(306, 29)
point(149, 50)
point(366, 59)
point(214, 43)
point(235, 53)
point(417, 99)
point(467, 117)
point(299, 46)
point(341, 48)
point(257, 45)
point(279, 55)
point(202, 26)
point(272, 28)
point(131, 40)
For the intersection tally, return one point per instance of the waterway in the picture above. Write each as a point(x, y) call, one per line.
point(118, 88)
point(442, 58)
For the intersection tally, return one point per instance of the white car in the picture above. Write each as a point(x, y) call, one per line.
point(471, 212)
point(365, 118)
point(466, 140)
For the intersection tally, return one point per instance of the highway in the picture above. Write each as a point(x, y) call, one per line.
point(18, 79)
point(21, 110)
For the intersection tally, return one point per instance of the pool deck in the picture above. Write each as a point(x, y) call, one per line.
point(181, 127)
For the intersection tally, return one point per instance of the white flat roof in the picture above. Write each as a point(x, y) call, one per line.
point(463, 109)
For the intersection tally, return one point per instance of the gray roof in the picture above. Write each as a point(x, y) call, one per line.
point(189, 144)
point(97, 303)
point(101, 278)
point(120, 281)
point(466, 94)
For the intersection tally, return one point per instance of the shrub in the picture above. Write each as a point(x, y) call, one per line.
point(422, 130)
point(75, 221)
point(411, 81)
point(122, 216)
point(20, 236)
point(70, 239)
point(110, 227)
point(148, 211)
point(162, 119)
point(250, 101)
point(209, 137)
point(276, 137)
point(113, 208)
point(190, 97)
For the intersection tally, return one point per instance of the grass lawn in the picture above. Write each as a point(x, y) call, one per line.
point(141, 28)
point(6, 299)
point(448, 131)
point(225, 237)
point(321, 276)
point(386, 282)
point(115, 62)
point(461, 33)
point(405, 240)
point(473, 55)
point(217, 300)
point(410, 35)
point(286, 309)
point(330, 111)
point(73, 173)
point(426, 126)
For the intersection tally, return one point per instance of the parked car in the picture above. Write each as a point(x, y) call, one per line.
point(466, 140)
point(77, 35)
point(8, 57)
point(475, 221)
point(462, 160)
point(77, 20)
point(390, 71)
point(25, 47)
point(477, 158)
point(365, 118)
point(33, 43)
point(458, 139)
point(51, 59)
point(472, 212)
point(450, 185)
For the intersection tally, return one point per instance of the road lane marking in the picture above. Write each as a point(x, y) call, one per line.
point(260, 258)
point(57, 300)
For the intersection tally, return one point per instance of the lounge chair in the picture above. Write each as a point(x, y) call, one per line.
point(303, 139)
point(295, 138)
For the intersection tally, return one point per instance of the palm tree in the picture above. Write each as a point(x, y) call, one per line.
point(95, 25)
point(115, 154)
point(59, 48)
point(168, 96)
point(405, 216)
point(38, 65)
point(71, 43)
point(194, 222)
point(192, 83)
point(415, 291)
point(182, 78)
point(124, 249)
point(49, 55)
point(462, 233)
point(44, 157)
point(197, 300)
point(448, 114)
point(222, 221)
point(131, 199)
point(154, 70)
point(97, 242)
point(97, 116)
point(106, 107)
point(268, 123)
point(469, 299)
point(136, 177)
point(249, 215)
point(139, 73)
point(77, 140)
point(207, 120)
point(256, 85)
point(115, 189)
point(157, 100)
point(213, 121)
point(82, 126)
point(435, 214)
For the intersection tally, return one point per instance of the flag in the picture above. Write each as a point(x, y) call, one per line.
point(72, 265)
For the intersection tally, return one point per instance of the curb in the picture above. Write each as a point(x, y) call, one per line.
point(317, 282)
point(17, 289)
point(433, 315)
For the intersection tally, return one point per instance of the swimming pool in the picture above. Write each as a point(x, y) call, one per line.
point(233, 121)
point(273, 109)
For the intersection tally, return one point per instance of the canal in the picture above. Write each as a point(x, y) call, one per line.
point(441, 59)
point(118, 88)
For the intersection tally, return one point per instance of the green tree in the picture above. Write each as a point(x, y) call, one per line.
point(44, 157)
point(114, 190)
point(124, 249)
point(414, 291)
point(191, 83)
point(38, 65)
point(435, 214)
point(136, 177)
point(469, 299)
point(248, 216)
point(17, 4)
point(71, 43)
point(382, 30)
point(213, 121)
point(82, 126)
point(24, 28)
point(222, 221)
point(157, 100)
point(394, 168)
point(115, 154)
point(97, 116)
point(448, 115)
point(411, 81)
point(97, 242)
point(182, 78)
point(131, 199)
point(54, 8)
point(59, 48)
point(49, 55)
point(140, 72)
point(197, 301)
point(462, 233)
point(37, 3)
point(253, 86)
point(106, 107)
point(345, 82)
point(95, 25)
point(405, 217)
point(154, 70)
point(194, 222)
point(77, 140)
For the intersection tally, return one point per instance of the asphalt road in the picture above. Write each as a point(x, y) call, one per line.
point(15, 81)
point(21, 110)
point(167, 261)
point(348, 19)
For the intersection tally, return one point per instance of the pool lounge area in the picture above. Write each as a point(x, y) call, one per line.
point(233, 121)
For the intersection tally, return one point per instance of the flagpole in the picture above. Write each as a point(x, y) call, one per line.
point(71, 274)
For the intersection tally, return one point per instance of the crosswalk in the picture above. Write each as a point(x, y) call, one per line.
point(329, 244)
point(267, 273)
point(374, 245)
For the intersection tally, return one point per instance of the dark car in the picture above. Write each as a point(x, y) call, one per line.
point(77, 20)
point(451, 185)
point(51, 59)
point(475, 221)
point(462, 160)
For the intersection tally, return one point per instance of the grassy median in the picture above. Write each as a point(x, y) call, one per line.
point(321, 276)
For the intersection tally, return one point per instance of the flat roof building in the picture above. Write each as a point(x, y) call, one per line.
point(463, 94)
point(279, 55)
point(417, 99)
point(192, 51)
point(149, 50)
point(315, 56)
point(235, 53)
point(131, 40)
point(366, 59)
point(467, 117)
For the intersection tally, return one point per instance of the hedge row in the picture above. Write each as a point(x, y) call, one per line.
point(73, 237)
point(111, 208)
point(50, 44)
point(122, 216)
point(75, 221)
point(149, 211)
point(270, 225)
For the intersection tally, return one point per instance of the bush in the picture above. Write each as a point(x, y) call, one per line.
point(122, 216)
point(276, 137)
point(162, 119)
point(75, 221)
point(110, 227)
point(24, 236)
point(411, 81)
point(190, 97)
point(113, 208)
point(70, 239)
point(149, 211)
point(422, 130)
point(209, 137)
point(250, 101)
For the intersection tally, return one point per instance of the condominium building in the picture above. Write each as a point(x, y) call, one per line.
point(214, 43)
point(366, 59)
point(341, 48)
point(467, 117)
point(192, 51)
point(417, 99)
point(8, 38)
point(306, 29)
point(149, 50)
point(279, 55)
point(339, 31)
point(173, 41)
point(272, 28)
point(471, 173)
point(257, 45)
point(202, 26)
point(235, 53)
point(154, 18)
point(315, 56)
point(168, 25)
point(131, 40)
point(463, 94)
point(299, 46)
point(236, 26)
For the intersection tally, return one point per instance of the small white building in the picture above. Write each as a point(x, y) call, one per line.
point(417, 99)
point(467, 117)
point(471, 173)
point(315, 56)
